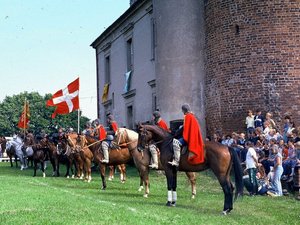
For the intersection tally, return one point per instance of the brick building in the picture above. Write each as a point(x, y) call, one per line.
point(222, 57)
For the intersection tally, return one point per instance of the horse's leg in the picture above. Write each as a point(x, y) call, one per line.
point(102, 173)
point(35, 168)
point(192, 178)
point(141, 182)
point(122, 169)
point(144, 174)
point(171, 174)
point(43, 168)
point(89, 170)
point(16, 160)
point(111, 172)
point(228, 193)
point(11, 163)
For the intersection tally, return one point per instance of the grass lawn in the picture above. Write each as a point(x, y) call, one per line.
point(36, 200)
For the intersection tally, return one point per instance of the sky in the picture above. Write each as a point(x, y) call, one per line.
point(45, 45)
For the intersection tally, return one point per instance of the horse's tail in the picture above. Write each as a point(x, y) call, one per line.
point(238, 173)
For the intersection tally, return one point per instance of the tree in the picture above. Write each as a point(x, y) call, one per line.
point(40, 115)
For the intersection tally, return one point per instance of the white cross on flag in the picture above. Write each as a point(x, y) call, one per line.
point(66, 100)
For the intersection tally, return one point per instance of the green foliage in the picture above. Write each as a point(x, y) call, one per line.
point(51, 200)
point(40, 115)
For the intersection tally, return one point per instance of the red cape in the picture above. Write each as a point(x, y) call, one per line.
point(161, 123)
point(114, 126)
point(102, 133)
point(192, 135)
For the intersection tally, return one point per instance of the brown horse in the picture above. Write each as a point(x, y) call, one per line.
point(117, 156)
point(218, 158)
point(129, 138)
point(78, 144)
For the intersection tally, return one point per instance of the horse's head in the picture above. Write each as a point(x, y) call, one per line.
point(145, 136)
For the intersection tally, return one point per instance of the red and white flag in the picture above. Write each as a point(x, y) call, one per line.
point(24, 118)
point(66, 100)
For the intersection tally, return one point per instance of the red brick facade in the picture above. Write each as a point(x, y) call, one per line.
point(252, 61)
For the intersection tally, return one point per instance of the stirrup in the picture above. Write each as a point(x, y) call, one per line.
point(153, 166)
point(174, 163)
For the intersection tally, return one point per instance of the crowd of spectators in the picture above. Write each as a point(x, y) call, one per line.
point(269, 153)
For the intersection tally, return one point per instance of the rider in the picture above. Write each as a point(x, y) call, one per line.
point(153, 150)
point(190, 135)
point(88, 130)
point(112, 128)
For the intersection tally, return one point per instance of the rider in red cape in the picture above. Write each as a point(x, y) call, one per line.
point(190, 135)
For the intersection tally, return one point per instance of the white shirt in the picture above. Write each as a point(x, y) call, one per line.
point(250, 163)
point(250, 121)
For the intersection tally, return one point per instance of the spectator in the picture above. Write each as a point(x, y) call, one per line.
point(278, 170)
point(250, 122)
point(251, 164)
point(270, 120)
point(291, 161)
point(258, 119)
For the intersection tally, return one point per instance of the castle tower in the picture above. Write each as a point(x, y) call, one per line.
point(252, 61)
point(179, 59)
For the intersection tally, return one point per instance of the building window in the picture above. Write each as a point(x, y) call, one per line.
point(129, 49)
point(153, 39)
point(107, 69)
point(130, 117)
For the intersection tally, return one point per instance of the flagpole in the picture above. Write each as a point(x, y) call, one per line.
point(78, 121)
point(24, 118)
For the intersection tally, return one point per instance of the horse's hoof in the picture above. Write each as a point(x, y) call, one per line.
point(122, 181)
point(145, 195)
point(44, 175)
point(141, 188)
point(89, 181)
point(103, 188)
point(226, 212)
point(73, 176)
point(110, 179)
point(193, 196)
point(68, 177)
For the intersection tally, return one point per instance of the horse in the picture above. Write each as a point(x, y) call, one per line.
point(61, 152)
point(15, 148)
point(121, 168)
point(219, 158)
point(40, 152)
point(117, 156)
point(78, 144)
point(129, 138)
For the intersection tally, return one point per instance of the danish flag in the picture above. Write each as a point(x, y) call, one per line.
point(66, 100)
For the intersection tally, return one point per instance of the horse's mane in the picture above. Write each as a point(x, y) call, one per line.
point(131, 134)
point(158, 130)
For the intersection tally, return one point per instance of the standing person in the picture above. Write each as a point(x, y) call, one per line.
point(110, 133)
point(251, 164)
point(156, 117)
point(288, 127)
point(250, 122)
point(190, 135)
point(278, 170)
point(272, 124)
point(258, 120)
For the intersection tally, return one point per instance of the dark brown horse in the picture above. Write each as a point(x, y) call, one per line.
point(129, 138)
point(11, 151)
point(218, 158)
point(117, 156)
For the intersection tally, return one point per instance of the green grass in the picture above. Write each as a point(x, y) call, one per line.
point(35, 200)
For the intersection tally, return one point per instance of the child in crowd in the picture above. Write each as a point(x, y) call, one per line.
point(250, 122)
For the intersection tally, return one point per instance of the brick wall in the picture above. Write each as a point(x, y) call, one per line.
point(252, 61)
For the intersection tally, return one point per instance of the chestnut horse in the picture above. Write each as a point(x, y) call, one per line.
point(117, 156)
point(129, 138)
point(219, 158)
point(78, 144)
